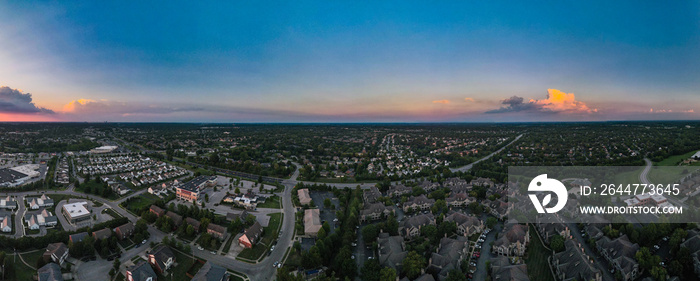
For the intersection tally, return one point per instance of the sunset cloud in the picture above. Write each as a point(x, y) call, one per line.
point(469, 99)
point(651, 110)
point(88, 106)
point(556, 102)
point(441, 101)
point(14, 101)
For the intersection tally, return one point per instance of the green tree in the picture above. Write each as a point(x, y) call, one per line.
point(646, 259)
point(387, 274)
point(413, 264)
point(556, 242)
point(370, 233)
point(491, 222)
point(371, 271)
point(456, 275)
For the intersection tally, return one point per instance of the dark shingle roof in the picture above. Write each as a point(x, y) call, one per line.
point(210, 272)
point(50, 272)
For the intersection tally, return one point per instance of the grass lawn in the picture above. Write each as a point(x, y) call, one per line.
point(32, 257)
point(293, 259)
point(92, 185)
point(22, 271)
point(269, 235)
point(674, 160)
point(141, 202)
point(272, 202)
point(227, 247)
point(126, 243)
point(537, 258)
point(112, 213)
point(631, 177)
point(31, 231)
point(235, 277)
point(184, 263)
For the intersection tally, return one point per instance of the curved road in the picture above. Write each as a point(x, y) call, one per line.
point(262, 270)
point(469, 166)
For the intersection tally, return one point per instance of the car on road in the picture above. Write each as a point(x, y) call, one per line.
point(213, 252)
point(275, 264)
point(200, 248)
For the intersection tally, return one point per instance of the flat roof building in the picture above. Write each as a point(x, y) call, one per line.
point(76, 212)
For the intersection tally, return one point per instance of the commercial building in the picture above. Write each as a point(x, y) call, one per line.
point(103, 149)
point(312, 222)
point(191, 190)
point(76, 212)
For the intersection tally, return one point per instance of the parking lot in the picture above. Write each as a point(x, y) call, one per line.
point(327, 214)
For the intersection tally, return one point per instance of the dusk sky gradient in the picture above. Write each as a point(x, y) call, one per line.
point(336, 61)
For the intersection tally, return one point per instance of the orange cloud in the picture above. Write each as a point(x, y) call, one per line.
point(75, 105)
point(559, 101)
point(556, 102)
point(469, 99)
point(441, 101)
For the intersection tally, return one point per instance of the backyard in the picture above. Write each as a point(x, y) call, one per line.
point(140, 203)
point(537, 257)
point(273, 202)
point(269, 234)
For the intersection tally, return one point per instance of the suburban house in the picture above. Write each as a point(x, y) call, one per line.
point(43, 218)
point(620, 253)
point(549, 225)
point(39, 202)
point(177, 219)
point(211, 272)
point(375, 211)
point(418, 203)
point(392, 250)
point(458, 200)
point(502, 269)
point(448, 256)
point(49, 272)
point(216, 230)
point(312, 222)
point(75, 238)
point(574, 264)
point(232, 216)
point(161, 258)
point(56, 252)
point(398, 190)
point(141, 271)
point(124, 231)
point(304, 197)
point(251, 235)
point(371, 195)
point(411, 226)
point(6, 224)
point(8, 203)
point(692, 242)
point(157, 210)
point(102, 234)
point(194, 223)
point(512, 241)
point(466, 225)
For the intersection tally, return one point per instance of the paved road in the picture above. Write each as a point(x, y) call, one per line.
point(469, 166)
point(644, 178)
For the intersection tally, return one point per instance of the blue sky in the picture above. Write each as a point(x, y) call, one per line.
point(351, 61)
